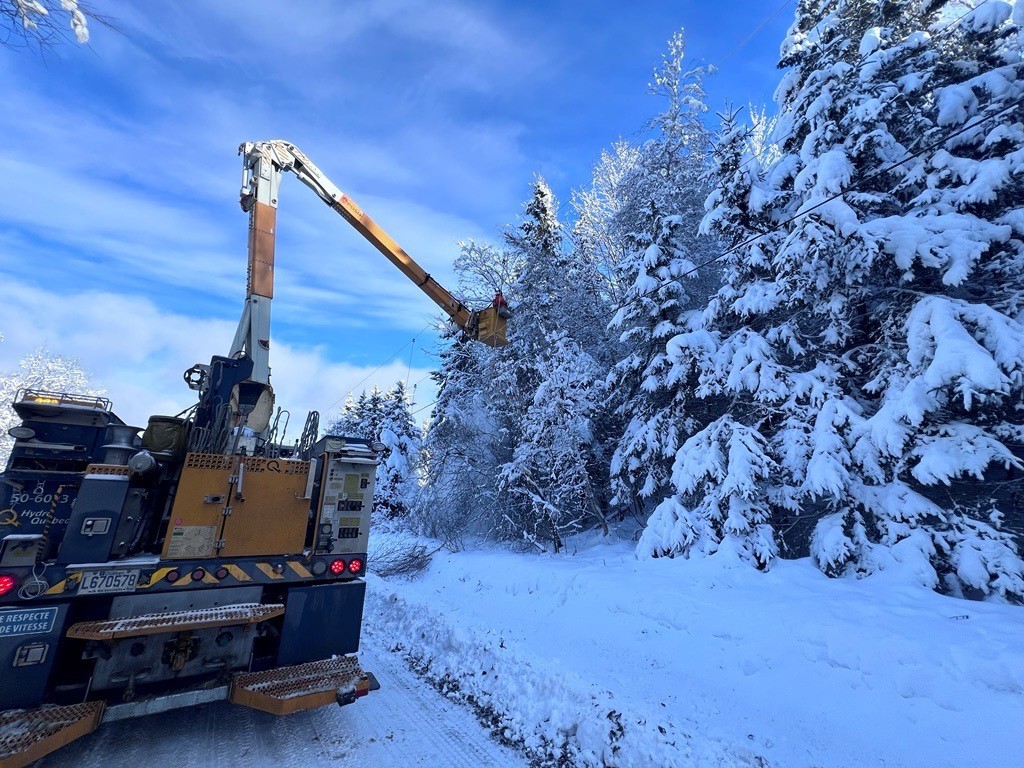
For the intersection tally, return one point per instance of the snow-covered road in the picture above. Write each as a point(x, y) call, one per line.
point(406, 723)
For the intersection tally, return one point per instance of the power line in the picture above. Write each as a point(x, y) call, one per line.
point(753, 34)
point(366, 378)
point(816, 206)
point(423, 408)
point(863, 60)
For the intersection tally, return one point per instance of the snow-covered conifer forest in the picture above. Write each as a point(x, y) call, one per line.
point(758, 433)
point(745, 488)
point(766, 334)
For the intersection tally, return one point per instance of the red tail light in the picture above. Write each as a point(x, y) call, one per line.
point(7, 583)
point(338, 566)
point(355, 565)
point(173, 576)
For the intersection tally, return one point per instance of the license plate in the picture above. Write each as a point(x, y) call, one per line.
point(102, 582)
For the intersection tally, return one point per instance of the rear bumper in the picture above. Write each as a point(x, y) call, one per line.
point(284, 690)
point(28, 735)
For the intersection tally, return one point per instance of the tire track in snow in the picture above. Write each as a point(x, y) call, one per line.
point(406, 723)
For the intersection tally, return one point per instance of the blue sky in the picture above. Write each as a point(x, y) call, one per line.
point(121, 240)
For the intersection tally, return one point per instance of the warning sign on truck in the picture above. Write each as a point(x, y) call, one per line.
point(192, 541)
point(34, 621)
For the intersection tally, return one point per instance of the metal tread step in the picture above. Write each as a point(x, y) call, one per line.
point(303, 686)
point(27, 735)
point(175, 621)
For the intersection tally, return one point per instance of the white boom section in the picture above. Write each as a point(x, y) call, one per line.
point(261, 181)
point(262, 165)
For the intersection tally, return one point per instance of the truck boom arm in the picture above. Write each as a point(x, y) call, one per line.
point(262, 166)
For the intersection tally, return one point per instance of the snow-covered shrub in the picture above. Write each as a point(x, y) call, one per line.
point(41, 369)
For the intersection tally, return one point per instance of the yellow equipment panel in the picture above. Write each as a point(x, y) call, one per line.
point(491, 327)
point(198, 511)
point(268, 514)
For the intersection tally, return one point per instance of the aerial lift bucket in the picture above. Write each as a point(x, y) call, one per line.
point(491, 325)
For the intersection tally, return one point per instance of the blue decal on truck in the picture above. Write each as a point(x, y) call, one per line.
point(29, 621)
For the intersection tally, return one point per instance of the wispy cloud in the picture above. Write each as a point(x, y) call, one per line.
point(137, 351)
point(121, 173)
point(119, 223)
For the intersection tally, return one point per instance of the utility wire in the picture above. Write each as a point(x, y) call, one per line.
point(852, 188)
point(366, 378)
point(423, 408)
point(861, 61)
point(753, 34)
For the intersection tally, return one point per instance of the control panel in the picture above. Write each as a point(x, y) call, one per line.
point(346, 471)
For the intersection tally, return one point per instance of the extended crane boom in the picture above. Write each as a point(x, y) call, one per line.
point(262, 165)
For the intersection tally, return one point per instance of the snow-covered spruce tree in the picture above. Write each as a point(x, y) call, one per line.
point(912, 379)
point(779, 331)
point(600, 234)
point(462, 448)
point(553, 297)
point(543, 283)
point(347, 422)
point(722, 474)
point(466, 442)
point(938, 456)
point(553, 466)
point(652, 407)
point(360, 417)
point(602, 244)
point(763, 346)
point(862, 357)
point(398, 473)
point(660, 212)
point(386, 417)
point(540, 284)
point(40, 369)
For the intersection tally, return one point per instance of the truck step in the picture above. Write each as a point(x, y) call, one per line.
point(286, 690)
point(175, 621)
point(27, 735)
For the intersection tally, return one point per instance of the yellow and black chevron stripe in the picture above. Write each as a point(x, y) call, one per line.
point(238, 572)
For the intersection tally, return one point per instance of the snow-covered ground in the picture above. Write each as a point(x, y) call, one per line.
point(406, 723)
point(601, 657)
point(594, 658)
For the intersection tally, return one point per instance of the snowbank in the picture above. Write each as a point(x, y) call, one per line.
point(599, 659)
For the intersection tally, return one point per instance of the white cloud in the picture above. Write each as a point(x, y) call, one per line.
point(137, 352)
point(121, 240)
point(148, 194)
point(471, 45)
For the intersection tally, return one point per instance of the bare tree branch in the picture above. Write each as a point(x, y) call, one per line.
point(41, 25)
